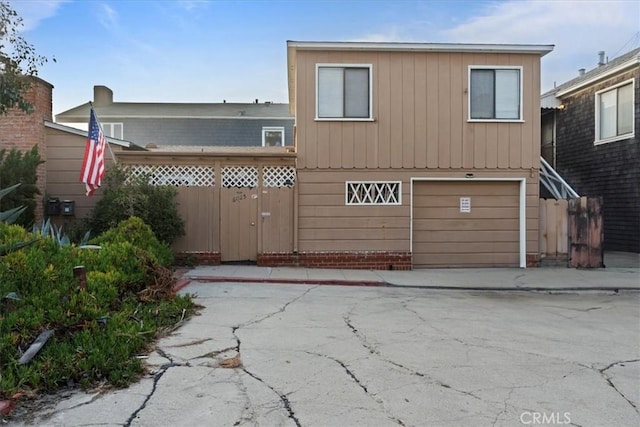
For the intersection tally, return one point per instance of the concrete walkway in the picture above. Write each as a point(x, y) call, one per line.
point(542, 279)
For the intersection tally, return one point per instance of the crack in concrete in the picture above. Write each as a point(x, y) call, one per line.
point(213, 354)
point(610, 382)
point(189, 344)
point(504, 408)
point(157, 376)
point(353, 376)
point(248, 414)
point(280, 310)
point(363, 339)
point(283, 397)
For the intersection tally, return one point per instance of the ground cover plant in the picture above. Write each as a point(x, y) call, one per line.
point(97, 332)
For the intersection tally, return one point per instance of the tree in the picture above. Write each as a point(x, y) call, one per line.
point(18, 59)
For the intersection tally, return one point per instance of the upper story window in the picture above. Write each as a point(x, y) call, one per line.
point(273, 137)
point(614, 113)
point(495, 93)
point(113, 130)
point(343, 92)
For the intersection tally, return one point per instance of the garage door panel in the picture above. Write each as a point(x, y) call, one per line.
point(455, 236)
point(476, 201)
point(465, 224)
point(488, 235)
point(476, 212)
point(495, 188)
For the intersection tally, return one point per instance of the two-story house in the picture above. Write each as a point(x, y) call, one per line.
point(416, 154)
point(224, 124)
point(589, 134)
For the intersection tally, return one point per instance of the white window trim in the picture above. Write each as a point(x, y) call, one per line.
point(346, 193)
point(111, 125)
point(597, 140)
point(495, 67)
point(266, 129)
point(346, 119)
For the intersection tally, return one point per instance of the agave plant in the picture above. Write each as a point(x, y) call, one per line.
point(12, 214)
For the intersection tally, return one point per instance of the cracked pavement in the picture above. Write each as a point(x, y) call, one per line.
point(301, 355)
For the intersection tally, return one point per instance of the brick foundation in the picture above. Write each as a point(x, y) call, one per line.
point(197, 258)
point(533, 260)
point(370, 260)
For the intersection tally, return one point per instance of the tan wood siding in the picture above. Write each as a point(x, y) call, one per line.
point(326, 223)
point(196, 208)
point(486, 236)
point(420, 115)
point(65, 152)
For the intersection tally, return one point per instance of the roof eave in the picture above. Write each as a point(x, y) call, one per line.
point(628, 64)
point(422, 47)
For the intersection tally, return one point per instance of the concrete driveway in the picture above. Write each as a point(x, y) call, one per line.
point(303, 355)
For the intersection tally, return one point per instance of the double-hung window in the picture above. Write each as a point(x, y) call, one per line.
point(614, 113)
point(273, 136)
point(113, 130)
point(495, 93)
point(343, 92)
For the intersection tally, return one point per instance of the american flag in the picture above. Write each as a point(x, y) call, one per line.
point(93, 170)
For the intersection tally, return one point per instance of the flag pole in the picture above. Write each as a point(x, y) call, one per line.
point(113, 156)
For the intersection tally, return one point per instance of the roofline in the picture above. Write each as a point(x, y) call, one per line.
point(80, 132)
point(110, 116)
point(628, 64)
point(199, 155)
point(423, 47)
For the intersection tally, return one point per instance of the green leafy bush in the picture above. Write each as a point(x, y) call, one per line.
point(125, 196)
point(17, 167)
point(97, 332)
point(134, 230)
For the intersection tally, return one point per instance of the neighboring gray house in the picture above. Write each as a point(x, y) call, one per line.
point(187, 124)
point(590, 136)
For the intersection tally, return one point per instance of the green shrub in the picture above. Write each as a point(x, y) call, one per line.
point(17, 167)
point(134, 230)
point(97, 332)
point(125, 196)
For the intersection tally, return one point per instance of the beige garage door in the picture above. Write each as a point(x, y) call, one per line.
point(466, 224)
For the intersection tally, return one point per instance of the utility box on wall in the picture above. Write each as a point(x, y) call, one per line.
point(53, 206)
point(68, 207)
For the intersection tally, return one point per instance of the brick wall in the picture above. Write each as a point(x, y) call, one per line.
point(197, 258)
point(610, 170)
point(373, 260)
point(23, 131)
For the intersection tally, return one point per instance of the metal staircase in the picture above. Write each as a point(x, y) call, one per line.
point(553, 182)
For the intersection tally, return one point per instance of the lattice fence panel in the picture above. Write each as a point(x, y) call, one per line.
point(240, 176)
point(178, 175)
point(279, 176)
point(373, 193)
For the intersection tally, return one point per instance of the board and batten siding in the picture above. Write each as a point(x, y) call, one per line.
point(420, 109)
point(419, 129)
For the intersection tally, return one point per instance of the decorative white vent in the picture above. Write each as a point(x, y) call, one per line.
point(240, 176)
point(373, 193)
point(278, 176)
point(178, 175)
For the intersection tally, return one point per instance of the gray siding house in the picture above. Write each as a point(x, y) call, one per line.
point(223, 124)
point(590, 135)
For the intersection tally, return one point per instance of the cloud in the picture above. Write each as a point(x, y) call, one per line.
point(578, 29)
point(36, 11)
point(108, 17)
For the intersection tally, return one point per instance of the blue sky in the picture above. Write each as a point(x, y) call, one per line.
point(207, 51)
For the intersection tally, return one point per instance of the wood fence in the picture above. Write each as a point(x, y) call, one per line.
point(553, 232)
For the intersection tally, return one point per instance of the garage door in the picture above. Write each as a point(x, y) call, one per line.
point(466, 224)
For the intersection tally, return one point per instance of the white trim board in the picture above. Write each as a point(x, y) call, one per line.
point(522, 210)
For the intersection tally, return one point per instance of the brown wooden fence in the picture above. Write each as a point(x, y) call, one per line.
point(553, 232)
point(586, 233)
